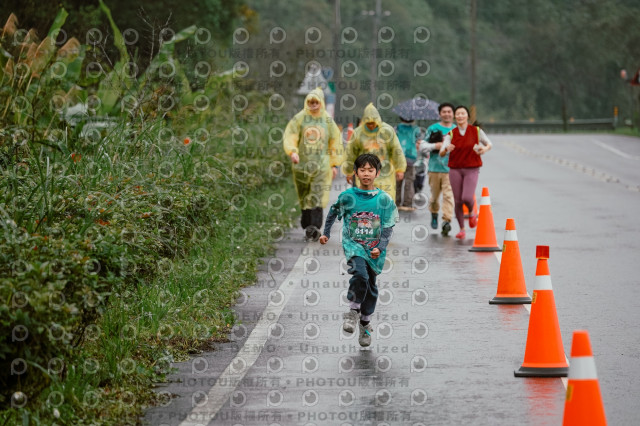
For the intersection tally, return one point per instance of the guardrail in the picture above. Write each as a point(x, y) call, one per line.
point(548, 126)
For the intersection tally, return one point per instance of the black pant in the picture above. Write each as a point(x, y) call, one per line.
point(418, 183)
point(362, 285)
point(312, 217)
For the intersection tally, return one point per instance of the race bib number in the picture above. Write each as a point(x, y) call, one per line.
point(364, 228)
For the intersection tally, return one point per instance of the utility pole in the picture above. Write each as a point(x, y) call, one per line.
point(474, 13)
point(377, 13)
point(374, 47)
point(337, 32)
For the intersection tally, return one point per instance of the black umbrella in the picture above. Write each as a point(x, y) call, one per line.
point(418, 108)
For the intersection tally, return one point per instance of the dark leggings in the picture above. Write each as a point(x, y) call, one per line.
point(463, 183)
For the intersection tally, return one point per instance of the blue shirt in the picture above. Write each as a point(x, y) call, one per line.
point(436, 163)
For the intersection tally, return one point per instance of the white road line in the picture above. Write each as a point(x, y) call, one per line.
point(204, 411)
point(576, 166)
point(615, 150)
point(528, 308)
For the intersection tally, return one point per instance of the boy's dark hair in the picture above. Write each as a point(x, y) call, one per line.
point(436, 136)
point(364, 159)
point(444, 105)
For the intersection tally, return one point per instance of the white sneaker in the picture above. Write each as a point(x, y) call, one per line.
point(351, 319)
point(365, 334)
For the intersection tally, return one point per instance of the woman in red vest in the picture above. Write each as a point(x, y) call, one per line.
point(465, 144)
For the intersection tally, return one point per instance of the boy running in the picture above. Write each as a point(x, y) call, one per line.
point(369, 217)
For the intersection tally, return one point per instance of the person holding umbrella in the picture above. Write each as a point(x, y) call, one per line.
point(418, 108)
point(464, 144)
point(373, 136)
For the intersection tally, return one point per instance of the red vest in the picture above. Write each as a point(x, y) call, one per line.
point(463, 155)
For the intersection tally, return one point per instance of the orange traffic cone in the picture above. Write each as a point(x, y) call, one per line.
point(543, 354)
point(512, 289)
point(465, 210)
point(486, 233)
point(583, 404)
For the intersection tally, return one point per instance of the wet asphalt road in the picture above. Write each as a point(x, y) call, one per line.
point(440, 354)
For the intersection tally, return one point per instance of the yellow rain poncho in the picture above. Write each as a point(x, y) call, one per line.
point(315, 137)
point(383, 142)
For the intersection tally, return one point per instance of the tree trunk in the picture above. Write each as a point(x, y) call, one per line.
point(563, 93)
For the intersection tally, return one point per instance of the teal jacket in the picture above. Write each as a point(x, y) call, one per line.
point(408, 134)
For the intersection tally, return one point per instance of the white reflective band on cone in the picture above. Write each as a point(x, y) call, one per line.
point(510, 236)
point(485, 201)
point(582, 368)
point(542, 282)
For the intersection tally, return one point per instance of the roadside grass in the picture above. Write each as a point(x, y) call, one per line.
point(171, 309)
point(627, 131)
point(131, 246)
point(183, 311)
point(126, 230)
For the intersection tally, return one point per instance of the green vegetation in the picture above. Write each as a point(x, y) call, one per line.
point(627, 131)
point(142, 178)
point(540, 59)
point(128, 226)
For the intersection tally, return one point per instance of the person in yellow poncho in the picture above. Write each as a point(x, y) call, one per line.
point(313, 142)
point(373, 136)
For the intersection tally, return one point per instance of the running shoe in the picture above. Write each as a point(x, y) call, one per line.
point(351, 319)
point(312, 233)
point(365, 334)
point(460, 235)
point(473, 221)
point(446, 228)
point(434, 220)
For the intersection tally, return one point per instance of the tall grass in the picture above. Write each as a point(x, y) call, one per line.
point(122, 247)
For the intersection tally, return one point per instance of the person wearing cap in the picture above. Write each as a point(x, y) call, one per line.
point(465, 144)
point(373, 136)
point(408, 135)
point(313, 142)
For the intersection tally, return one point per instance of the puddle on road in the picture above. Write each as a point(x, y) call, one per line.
point(511, 317)
point(545, 400)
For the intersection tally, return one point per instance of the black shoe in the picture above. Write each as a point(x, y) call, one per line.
point(434, 220)
point(446, 228)
point(311, 233)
